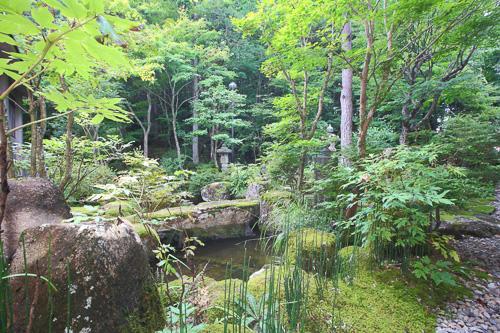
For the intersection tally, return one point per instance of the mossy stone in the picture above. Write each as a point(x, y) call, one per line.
point(148, 318)
point(311, 249)
point(115, 208)
point(219, 328)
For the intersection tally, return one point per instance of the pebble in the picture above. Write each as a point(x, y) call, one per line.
point(481, 312)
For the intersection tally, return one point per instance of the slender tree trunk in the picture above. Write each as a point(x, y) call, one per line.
point(4, 184)
point(176, 139)
point(68, 153)
point(363, 96)
point(302, 166)
point(41, 129)
point(147, 128)
point(346, 105)
point(34, 132)
point(195, 140)
point(405, 125)
point(10, 160)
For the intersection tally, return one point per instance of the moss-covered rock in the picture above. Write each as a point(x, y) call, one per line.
point(311, 249)
point(219, 328)
point(221, 291)
point(119, 207)
point(215, 192)
point(207, 221)
point(149, 238)
point(350, 259)
point(147, 318)
point(99, 268)
point(475, 207)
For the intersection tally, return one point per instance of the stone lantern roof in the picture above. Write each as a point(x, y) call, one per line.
point(224, 150)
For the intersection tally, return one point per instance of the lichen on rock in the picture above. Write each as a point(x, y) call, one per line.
point(101, 274)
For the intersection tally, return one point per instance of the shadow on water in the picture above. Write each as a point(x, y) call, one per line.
point(218, 254)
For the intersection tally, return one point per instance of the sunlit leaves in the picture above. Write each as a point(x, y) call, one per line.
point(15, 6)
point(98, 108)
point(43, 17)
point(14, 24)
point(69, 8)
point(96, 6)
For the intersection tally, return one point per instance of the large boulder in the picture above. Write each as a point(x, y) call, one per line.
point(30, 203)
point(209, 221)
point(215, 192)
point(482, 228)
point(253, 191)
point(102, 277)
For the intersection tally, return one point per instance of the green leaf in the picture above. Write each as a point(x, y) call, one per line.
point(69, 8)
point(98, 118)
point(43, 17)
point(96, 7)
point(7, 39)
point(15, 24)
point(16, 6)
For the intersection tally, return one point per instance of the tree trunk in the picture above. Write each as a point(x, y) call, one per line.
point(41, 129)
point(302, 166)
point(363, 96)
point(147, 128)
point(346, 101)
point(176, 139)
point(405, 130)
point(4, 185)
point(34, 132)
point(68, 153)
point(195, 139)
point(10, 160)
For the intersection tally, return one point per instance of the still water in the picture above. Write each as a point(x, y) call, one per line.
point(217, 255)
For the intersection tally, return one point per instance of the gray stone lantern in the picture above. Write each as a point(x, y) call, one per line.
point(331, 137)
point(224, 153)
point(323, 158)
point(232, 86)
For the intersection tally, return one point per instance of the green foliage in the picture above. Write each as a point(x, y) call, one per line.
point(470, 142)
point(398, 193)
point(218, 110)
point(145, 184)
point(204, 174)
point(178, 319)
point(64, 45)
point(440, 271)
point(240, 176)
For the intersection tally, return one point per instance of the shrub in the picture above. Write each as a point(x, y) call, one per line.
point(470, 142)
point(205, 174)
point(396, 195)
point(240, 176)
point(172, 163)
point(85, 187)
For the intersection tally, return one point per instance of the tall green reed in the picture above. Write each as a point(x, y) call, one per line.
point(292, 282)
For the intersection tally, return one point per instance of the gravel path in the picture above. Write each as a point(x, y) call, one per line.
point(481, 312)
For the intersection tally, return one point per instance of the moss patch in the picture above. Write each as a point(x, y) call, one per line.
point(149, 317)
point(315, 249)
point(474, 207)
point(85, 210)
point(375, 301)
point(186, 211)
point(112, 209)
point(219, 328)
